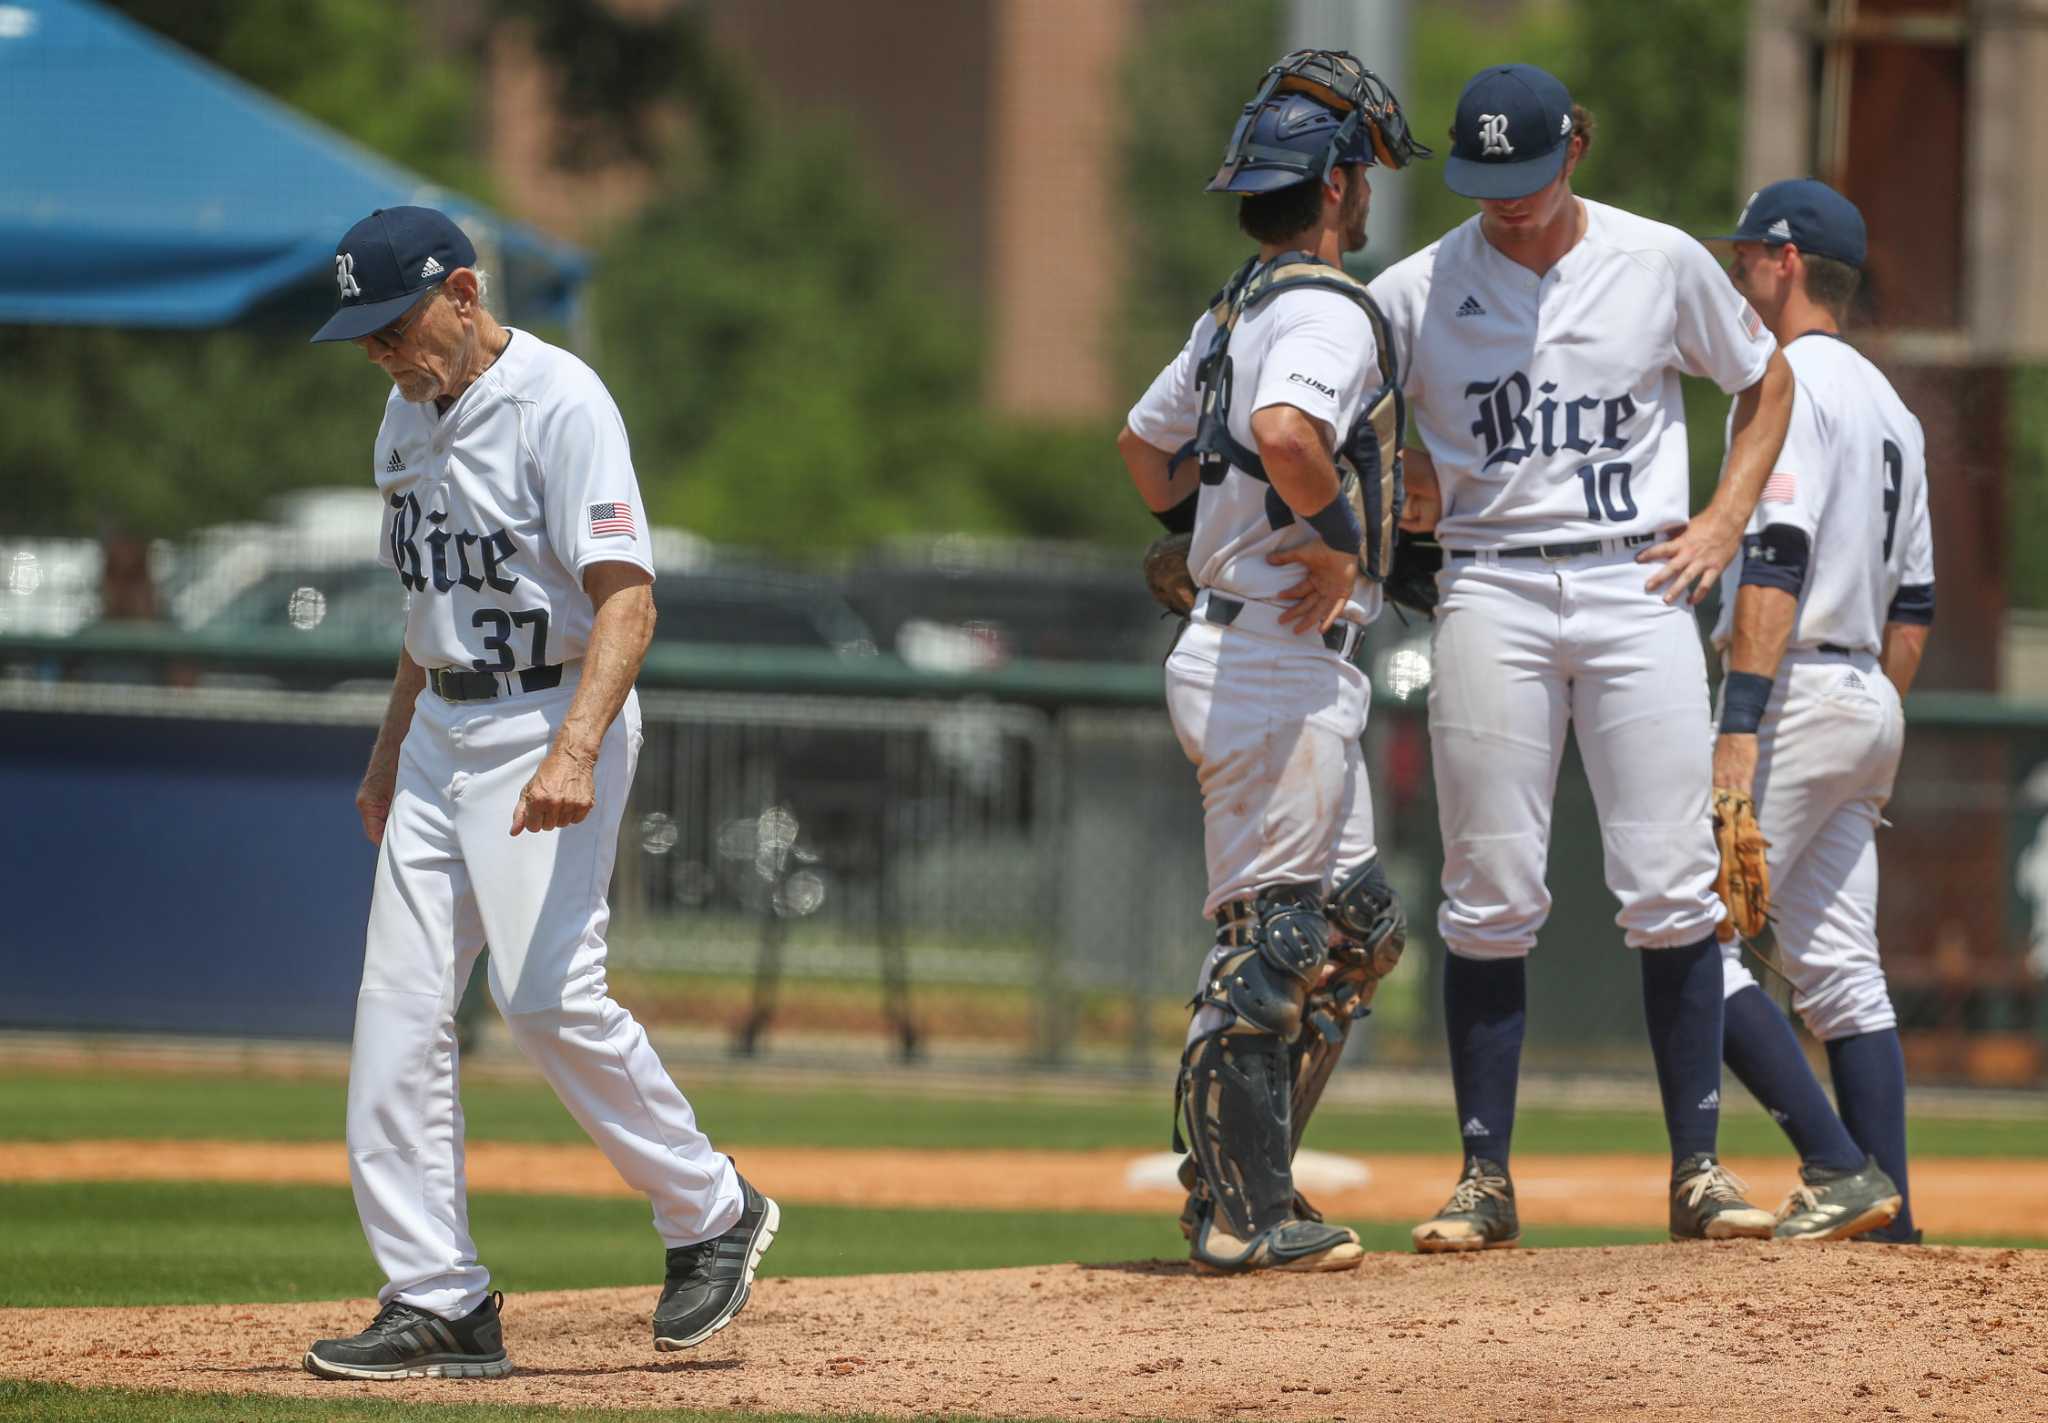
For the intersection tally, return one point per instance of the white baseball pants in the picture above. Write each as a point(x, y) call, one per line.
point(451, 878)
point(1523, 648)
point(1272, 722)
point(1827, 753)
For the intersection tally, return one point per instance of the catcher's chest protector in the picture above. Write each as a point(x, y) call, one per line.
point(1368, 460)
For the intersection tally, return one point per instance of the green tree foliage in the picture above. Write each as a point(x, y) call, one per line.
point(363, 67)
point(2027, 492)
point(160, 432)
point(1183, 83)
point(798, 377)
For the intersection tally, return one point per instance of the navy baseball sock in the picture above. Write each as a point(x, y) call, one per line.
point(1682, 1001)
point(1486, 1007)
point(1870, 1083)
point(1762, 1051)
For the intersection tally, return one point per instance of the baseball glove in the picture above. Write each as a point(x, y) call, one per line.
point(1744, 882)
point(1412, 581)
point(1166, 574)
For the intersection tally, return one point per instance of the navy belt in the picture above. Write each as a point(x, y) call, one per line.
point(1223, 612)
point(1568, 550)
point(453, 684)
point(1834, 649)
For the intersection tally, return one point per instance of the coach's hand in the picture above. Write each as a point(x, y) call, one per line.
point(373, 802)
point(1694, 559)
point(1328, 575)
point(560, 794)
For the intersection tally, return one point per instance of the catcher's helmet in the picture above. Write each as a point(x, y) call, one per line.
point(1314, 110)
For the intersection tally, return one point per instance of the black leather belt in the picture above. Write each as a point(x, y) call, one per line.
point(1834, 649)
point(1223, 612)
point(1570, 550)
point(454, 684)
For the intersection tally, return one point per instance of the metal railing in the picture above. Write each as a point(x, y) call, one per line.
point(805, 825)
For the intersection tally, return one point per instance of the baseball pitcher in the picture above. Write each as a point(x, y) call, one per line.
point(1544, 339)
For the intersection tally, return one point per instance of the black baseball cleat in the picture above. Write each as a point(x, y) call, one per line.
point(407, 1343)
point(708, 1283)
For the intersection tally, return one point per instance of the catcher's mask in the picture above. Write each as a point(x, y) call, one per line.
point(1315, 109)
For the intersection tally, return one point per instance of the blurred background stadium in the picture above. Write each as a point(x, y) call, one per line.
point(873, 285)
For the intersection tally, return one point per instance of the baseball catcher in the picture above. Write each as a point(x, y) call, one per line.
point(1269, 448)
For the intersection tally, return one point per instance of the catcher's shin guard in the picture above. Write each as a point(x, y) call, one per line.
point(1368, 932)
point(1236, 1081)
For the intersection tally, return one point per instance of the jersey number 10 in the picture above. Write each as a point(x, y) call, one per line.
point(1607, 495)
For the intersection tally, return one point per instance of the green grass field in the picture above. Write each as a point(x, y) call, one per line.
point(115, 1244)
point(37, 1106)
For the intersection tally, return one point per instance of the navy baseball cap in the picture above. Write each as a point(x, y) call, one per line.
point(386, 261)
point(1511, 133)
point(1806, 213)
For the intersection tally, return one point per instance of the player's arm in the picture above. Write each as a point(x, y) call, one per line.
point(1694, 560)
point(1169, 490)
point(380, 781)
point(1296, 454)
point(1906, 625)
point(1425, 500)
point(1904, 644)
point(1764, 614)
point(1910, 616)
point(564, 789)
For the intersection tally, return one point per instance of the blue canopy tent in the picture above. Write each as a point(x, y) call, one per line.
point(141, 186)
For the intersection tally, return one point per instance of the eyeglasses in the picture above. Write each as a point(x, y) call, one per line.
point(389, 336)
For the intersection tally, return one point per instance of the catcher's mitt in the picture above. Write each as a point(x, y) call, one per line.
point(1744, 882)
point(1166, 574)
point(1412, 582)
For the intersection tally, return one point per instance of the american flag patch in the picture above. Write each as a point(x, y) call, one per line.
point(1779, 489)
point(1751, 322)
point(611, 519)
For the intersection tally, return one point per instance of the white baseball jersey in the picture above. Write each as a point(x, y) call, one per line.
point(494, 510)
point(1312, 349)
point(1551, 405)
point(1853, 476)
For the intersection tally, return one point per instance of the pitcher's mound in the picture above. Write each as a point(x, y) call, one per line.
point(1741, 1331)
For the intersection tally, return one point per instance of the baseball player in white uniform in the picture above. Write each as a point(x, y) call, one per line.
point(1543, 342)
point(1821, 629)
point(494, 793)
point(1270, 392)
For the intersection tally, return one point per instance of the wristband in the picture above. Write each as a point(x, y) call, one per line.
point(1337, 522)
point(1180, 519)
point(1744, 695)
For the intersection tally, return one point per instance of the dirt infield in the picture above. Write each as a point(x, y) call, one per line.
point(1951, 1197)
point(1744, 1331)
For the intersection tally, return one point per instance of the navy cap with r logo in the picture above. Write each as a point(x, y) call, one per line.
point(1511, 133)
point(386, 262)
point(1806, 213)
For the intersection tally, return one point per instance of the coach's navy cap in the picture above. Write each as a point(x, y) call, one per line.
point(386, 261)
point(1510, 134)
point(1806, 213)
